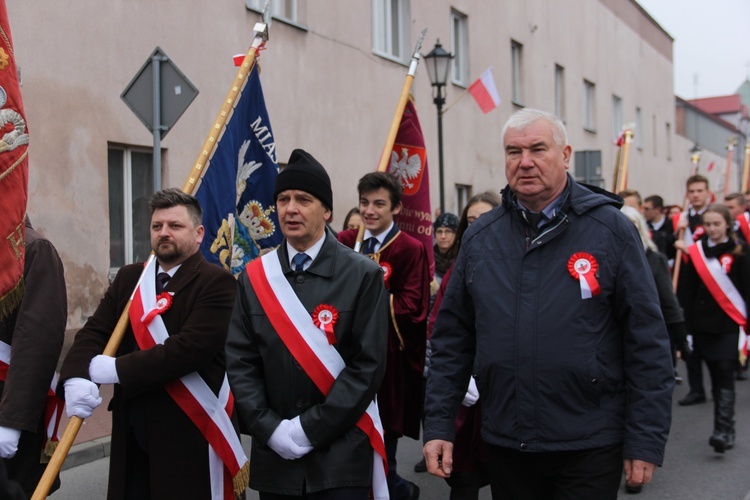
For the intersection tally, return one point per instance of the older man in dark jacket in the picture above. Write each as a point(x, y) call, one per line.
point(553, 308)
point(306, 353)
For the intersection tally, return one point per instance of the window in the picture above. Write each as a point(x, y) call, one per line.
point(463, 193)
point(460, 38)
point(560, 92)
point(589, 111)
point(638, 129)
point(616, 116)
point(669, 141)
point(285, 10)
point(516, 68)
point(131, 184)
point(391, 20)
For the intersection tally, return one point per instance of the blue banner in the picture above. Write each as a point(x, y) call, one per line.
point(238, 185)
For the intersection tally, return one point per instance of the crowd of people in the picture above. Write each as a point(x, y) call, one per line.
point(541, 362)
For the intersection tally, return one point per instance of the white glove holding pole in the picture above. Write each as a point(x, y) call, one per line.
point(81, 397)
point(472, 394)
point(281, 442)
point(9, 441)
point(103, 370)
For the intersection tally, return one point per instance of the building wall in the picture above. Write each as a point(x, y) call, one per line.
point(325, 91)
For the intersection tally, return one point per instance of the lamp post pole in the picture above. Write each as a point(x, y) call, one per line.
point(437, 63)
point(439, 101)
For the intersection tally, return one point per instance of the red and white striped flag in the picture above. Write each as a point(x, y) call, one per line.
point(484, 92)
point(710, 166)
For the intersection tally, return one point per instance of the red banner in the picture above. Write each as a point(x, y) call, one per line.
point(409, 164)
point(14, 140)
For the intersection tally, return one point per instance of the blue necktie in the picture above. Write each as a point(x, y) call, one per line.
point(161, 282)
point(299, 261)
point(369, 247)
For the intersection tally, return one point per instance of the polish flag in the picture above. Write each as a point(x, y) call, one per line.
point(484, 92)
point(710, 166)
point(238, 58)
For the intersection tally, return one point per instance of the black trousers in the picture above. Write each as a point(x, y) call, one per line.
point(593, 474)
point(332, 494)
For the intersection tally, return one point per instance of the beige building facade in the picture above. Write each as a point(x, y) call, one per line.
point(331, 74)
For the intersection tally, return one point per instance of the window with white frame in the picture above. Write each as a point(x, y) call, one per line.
point(638, 132)
point(616, 116)
point(589, 108)
point(391, 21)
point(460, 39)
point(131, 184)
point(560, 92)
point(516, 67)
point(463, 193)
point(285, 10)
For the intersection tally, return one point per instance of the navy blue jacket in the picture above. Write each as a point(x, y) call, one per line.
point(555, 372)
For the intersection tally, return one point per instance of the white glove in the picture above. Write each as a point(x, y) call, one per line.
point(472, 394)
point(9, 441)
point(81, 397)
point(282, 443)
point(298, 433)
point(102, 370)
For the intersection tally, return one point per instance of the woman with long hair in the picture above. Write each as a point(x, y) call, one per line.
point(713, 289)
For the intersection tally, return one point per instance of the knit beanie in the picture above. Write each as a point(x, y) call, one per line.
point(446, 220)
point(303, 172)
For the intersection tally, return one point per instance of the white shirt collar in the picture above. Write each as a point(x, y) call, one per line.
point(380, 237)
point(170, 272)
point(311, 252)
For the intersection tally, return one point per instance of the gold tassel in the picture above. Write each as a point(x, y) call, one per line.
point(241, 480)
point(49, 450)
point(10, 301)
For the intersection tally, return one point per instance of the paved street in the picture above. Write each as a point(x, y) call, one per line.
point(692, 470)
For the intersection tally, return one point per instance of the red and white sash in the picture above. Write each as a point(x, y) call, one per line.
point(744, 225)
point(320, 360)
point(718, 283)
point(229, 468)
point(52, 408)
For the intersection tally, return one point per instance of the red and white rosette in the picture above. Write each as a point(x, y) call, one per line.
point(726, 262)
point(583, 267)
point(387, 271)
point(163, 303)
point(699, 231)
point(325, 317)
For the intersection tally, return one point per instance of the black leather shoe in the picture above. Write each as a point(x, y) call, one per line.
point(693, 398)
point(413, 492)
point(420, 466)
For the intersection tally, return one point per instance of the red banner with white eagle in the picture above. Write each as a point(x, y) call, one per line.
point(14, 140)
point(409, 164)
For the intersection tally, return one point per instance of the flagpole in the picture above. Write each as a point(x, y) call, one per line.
point(405, 90)
point(74, 425)
point(694, 159)
point(730, 149)
point(616, 176)
point(624, 168)
point(461, 96)
point(745, 169)
point(396, 122)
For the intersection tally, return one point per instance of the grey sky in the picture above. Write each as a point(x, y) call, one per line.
point(711, 39)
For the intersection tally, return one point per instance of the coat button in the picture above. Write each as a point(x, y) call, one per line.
point(300, 278)
point(524, 446)
point(302, 403)
point(594, 381)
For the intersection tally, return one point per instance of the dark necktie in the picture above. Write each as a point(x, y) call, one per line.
point(534, 218)
point(161, 282)
point(369, 247)
point(299, 261)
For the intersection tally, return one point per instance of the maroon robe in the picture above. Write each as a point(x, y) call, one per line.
point(401, 395)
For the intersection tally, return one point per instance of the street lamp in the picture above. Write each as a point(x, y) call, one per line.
point(438, 63)
point(695, 157)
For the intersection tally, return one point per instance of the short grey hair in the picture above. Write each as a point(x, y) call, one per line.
point(528, 116)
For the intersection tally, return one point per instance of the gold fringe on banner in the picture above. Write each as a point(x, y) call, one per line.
point(10, 301)
point(241, 480)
